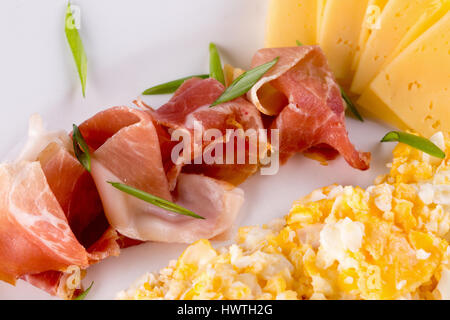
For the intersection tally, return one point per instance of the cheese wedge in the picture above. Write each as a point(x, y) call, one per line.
point(415, 86)
point(339, 34)
point(291, 20)
point(371, 22)
point(397, 20)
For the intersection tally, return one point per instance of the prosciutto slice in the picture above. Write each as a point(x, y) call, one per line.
point(125, 145)
point(302, 95)
point(190, 105)
point(70, 182)
point(34, 232)
point(77, 195)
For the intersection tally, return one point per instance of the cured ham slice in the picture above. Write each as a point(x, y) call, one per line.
point(34, 233)
point(126, 143)
point(53, 282)
point(217, 201)
point(70, 183)
point(190, 105)
point(126, 149)
point(303, 96)
point(67, 179)
point(67, 284)
point(77, 195)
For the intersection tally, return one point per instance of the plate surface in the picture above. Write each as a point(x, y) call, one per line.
point(132, 45)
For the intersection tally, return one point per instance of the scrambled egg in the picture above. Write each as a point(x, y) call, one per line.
point(385, 242)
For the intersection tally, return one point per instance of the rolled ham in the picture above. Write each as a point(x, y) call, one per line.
point(304, 100)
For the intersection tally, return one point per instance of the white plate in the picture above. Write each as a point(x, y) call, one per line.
point(130, 46)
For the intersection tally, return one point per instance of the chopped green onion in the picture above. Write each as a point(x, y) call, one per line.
point(244, 82)
point(299, 43)
point(414, 141)
point(171, 86)
point(215, 65)
point(81, 149)
point(157, 201)
point(76, 46)
point(84, 293)
point(351, 106)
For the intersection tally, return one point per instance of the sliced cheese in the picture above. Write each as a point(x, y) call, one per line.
point(291, 20)
point(396, 22)
point(414, 89)
point(434, 13)
point(371, 22)
point(339, 34)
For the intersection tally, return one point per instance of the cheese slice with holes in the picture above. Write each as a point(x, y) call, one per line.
point(400, 22)
point(413, 91)
point(339, 34)
point(291, 20)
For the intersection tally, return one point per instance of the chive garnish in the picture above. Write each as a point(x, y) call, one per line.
point(81, 149)
point(215, 65)
point(76, 46)
point(244, 82)
point(157, 201)
point(299, 43)
point(414, 141)
point(351, 106)
point(84, 293)
point(171, 86)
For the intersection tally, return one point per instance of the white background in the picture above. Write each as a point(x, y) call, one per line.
point(132, 45)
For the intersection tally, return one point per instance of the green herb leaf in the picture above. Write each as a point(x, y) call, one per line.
point(157, 201)
point(84, 293)
point(171, 86)
point(215, 65)
point(414, 141)
point(351, 106)
point(299, 43)
point(81, 148)
point(76, 46)
point(244, 82)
